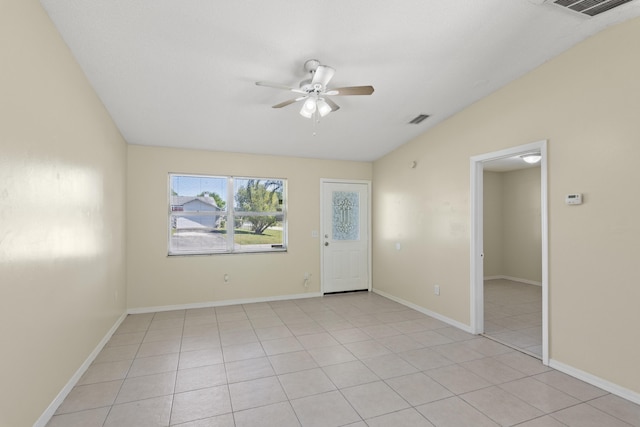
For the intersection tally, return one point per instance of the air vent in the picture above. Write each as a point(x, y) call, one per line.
point(418, 119)
point(590, 7)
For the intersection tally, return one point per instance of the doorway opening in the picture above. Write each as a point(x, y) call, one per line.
point(509, 272)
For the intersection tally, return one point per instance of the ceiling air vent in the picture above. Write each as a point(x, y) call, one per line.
point(418, 119)
point(590, 7)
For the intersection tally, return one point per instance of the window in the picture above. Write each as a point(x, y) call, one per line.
point(226, 214)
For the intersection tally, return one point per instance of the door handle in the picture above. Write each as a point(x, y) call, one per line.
point(326, 243)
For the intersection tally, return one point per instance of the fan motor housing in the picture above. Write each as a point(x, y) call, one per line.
point(306, 86)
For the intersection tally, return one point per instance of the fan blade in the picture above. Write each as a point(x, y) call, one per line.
point(289, 102)
point(280, 86)
point(333, 105)
point(323, 75)
point(274, 85)
point(353, 90)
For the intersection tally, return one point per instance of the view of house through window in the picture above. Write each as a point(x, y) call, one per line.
point(225, 214)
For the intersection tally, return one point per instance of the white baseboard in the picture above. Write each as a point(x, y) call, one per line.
point(569, 370)
point(48, 413)
point(514, 279)
point(612, 388)
point(223, 303)
point(423, 310)
point(596, 381)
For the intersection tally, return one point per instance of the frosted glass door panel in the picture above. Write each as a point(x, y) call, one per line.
point(346, 215)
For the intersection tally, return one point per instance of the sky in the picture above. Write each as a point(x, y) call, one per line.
point(194, 185)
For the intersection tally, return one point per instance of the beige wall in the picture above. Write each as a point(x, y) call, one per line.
point(512, 238)
point(62, 173)
point(586, 103)
point(154, 279)
point(522, 238)
point(493, 224)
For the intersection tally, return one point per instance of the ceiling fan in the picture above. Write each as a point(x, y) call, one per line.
point(314, 91)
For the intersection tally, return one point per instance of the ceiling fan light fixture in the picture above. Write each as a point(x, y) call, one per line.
point(308, 108)
point(323, 107)
point(314, 91)
point(531, 158)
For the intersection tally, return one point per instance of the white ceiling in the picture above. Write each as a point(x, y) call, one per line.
point(181, 73)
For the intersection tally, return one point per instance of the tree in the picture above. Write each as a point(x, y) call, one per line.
point(215, 196)
point(260, 197)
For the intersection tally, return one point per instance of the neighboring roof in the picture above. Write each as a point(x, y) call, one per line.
point(183, 200)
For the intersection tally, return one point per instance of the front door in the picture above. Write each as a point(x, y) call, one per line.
point(345, 236)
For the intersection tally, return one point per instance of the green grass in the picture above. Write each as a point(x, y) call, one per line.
point(269, 237)
point(246, 237)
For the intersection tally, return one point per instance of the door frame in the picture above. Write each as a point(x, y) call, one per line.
point(477, 243)
point(324, 181)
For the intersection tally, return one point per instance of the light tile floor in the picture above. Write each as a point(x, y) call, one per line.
point(513, 314)
point(353, 359)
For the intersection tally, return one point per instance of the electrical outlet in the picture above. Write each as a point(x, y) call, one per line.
point(436, 289)
point(307, 278)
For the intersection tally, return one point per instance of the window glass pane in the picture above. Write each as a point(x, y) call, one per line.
point(201, 234)
point(204, 218)
point(247, 240)
point(212, 191)
point(198, 214)
point(259, 218)
point(258, 194)
point(257, 203)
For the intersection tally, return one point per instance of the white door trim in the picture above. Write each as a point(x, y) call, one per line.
point(476, 252)
point(324, 181)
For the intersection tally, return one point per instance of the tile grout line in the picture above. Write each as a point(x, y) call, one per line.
point(340, 312)
point(127, 373)
point(175, 380)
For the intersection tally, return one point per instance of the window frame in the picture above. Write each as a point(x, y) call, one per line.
point(229, 213)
